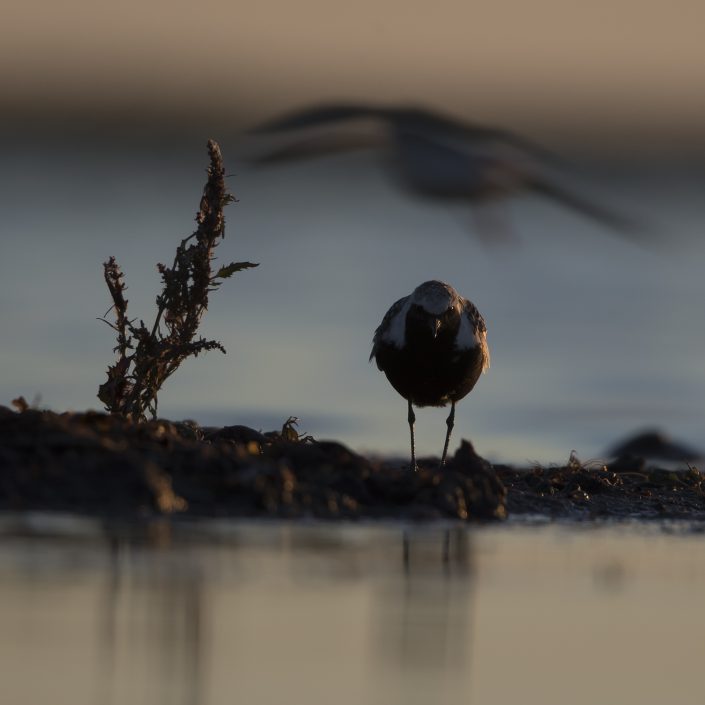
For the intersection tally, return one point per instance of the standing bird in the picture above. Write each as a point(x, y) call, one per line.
point(432, 345)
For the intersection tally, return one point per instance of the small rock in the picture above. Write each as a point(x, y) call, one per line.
point(654, 444)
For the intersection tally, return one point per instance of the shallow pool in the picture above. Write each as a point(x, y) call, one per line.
point(272, 613)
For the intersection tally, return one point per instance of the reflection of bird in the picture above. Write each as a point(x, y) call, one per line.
point(442, 158)
point(432, 345)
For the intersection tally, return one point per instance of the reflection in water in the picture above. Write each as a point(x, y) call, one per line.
point(422, 617)
point(155, 603)
point(267, 613)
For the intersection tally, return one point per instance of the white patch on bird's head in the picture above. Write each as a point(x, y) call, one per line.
point(434, 297)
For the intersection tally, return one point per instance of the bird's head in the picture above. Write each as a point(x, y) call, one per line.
point(434, 309)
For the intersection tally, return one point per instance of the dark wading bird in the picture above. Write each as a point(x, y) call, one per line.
point(441, 158)
point(432, 345)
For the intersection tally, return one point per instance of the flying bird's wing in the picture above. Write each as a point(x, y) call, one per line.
point(320, 142)
point(424, 124)
point(384, 327)
point(317, 146)
point(314, 117)
point(471, 136)
point(600, 214)
point(505, 138)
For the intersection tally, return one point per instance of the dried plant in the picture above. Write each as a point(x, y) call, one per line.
point(147, 357)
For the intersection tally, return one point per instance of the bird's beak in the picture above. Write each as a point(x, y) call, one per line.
point(435, 326)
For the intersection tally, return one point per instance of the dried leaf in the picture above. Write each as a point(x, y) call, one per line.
point(225, 272)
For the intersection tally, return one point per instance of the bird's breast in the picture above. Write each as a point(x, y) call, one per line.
point(430, 373)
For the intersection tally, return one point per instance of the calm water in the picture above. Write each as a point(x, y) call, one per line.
point(592, 337)
point(268, 613)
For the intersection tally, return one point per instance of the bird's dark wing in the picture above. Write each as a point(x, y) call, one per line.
point(473, 136)
point(523, 145)
point(600, 214)
point(313, 117)
point(316, 147)
point(320, 142)
point(383, 327)
point(426, 124)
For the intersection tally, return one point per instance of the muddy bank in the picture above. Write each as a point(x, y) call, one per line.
point(96, 464)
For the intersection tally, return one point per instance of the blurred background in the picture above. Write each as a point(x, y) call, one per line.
point(105, 115)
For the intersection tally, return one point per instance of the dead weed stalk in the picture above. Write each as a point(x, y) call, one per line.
point(147, 357)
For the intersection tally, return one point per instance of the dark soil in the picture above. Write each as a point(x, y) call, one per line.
point(93, 463)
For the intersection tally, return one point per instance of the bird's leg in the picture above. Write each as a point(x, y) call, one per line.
point(450, 422)
point(411, 419)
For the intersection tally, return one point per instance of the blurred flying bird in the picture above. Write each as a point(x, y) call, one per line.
point(441, 158)
point(432, 346)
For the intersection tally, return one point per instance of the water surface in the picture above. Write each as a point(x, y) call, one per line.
point(271, 613)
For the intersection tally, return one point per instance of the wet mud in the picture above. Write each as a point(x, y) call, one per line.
point(96, 464)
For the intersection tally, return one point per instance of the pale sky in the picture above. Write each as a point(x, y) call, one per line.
point(637, 68)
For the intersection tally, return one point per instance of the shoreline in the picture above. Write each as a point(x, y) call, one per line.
point(97, 465)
